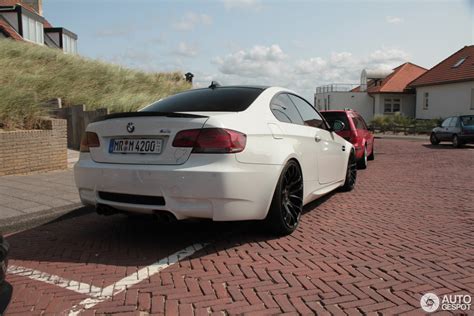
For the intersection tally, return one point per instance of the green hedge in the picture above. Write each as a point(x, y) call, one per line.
point(398, 123)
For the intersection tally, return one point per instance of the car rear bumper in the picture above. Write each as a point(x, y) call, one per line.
point(217, 187)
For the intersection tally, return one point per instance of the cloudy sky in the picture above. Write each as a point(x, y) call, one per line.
point(297, 44)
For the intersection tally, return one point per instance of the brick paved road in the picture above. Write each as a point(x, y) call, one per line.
point(406, 230)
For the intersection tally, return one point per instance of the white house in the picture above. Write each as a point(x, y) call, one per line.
point(447, 89)
point(379, 93)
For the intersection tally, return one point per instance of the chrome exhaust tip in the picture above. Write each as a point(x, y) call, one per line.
point(165, 217)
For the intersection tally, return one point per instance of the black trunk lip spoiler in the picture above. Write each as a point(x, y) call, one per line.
point(146, 114)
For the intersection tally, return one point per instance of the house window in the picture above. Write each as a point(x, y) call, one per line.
point(391, 105)
point(32, 30)
point(69, 44)
point(426, 97)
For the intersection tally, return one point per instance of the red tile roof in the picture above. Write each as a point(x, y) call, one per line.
point(12, 3)
point(9, 3)
point(445, 72)
point(8, 30)
point(397, 81)
point(47, 24)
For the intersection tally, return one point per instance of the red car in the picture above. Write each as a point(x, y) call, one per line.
point(356, 131)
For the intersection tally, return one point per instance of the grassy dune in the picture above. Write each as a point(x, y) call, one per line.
point(31, 74)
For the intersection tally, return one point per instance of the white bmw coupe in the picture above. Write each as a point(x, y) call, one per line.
point(226, 153)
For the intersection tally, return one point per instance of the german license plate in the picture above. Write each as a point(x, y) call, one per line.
point(135, 146)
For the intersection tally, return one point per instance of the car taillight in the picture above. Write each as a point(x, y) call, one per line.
point(211, 140)
point(89, 139)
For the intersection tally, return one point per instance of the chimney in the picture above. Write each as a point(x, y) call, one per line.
point(35, 4)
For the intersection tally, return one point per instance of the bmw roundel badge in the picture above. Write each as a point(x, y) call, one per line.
point(130, 127)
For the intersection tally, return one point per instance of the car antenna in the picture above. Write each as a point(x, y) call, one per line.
point(214, 84)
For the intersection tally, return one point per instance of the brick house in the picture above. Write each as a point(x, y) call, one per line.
point(447, 89)
point(23, 20)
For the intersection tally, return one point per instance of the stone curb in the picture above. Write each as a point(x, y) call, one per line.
point(27, 221)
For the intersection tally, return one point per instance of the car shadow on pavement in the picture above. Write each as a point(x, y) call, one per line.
point(83, 237)
point(448, 146)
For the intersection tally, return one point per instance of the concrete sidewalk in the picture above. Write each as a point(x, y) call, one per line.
point(402, 137)
point(29, 199)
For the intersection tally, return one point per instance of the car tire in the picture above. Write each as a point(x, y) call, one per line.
point(433, 139)
point(362, 162)
point(351, 174)
point(287, 203)
point(372, 154)
point(456, 142)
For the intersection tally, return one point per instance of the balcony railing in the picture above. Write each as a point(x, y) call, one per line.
point(336, 87)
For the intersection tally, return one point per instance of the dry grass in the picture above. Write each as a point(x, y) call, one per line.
point(31, 74)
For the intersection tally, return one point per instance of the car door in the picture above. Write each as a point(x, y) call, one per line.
point(298, 136)
point(454, 127)
point(443, 133)
point(329, 148)
point(364, 131)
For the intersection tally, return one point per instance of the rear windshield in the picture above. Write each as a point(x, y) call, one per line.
point(333, 116)
point(467, 120)
point(224, 99)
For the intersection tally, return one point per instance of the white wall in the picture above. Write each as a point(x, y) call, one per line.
point(445, 100)
point(407, 103)
point(358, 101)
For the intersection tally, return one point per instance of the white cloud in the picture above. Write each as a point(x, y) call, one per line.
point(259, 61)
point(311, 65)
point(385, 58)
point(192, 19)
point(393, 19)
point(269, 65)
point(242, 4)
point(186, 50)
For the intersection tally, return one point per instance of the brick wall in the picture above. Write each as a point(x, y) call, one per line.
point(34, 150)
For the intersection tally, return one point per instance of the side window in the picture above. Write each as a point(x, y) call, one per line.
point(362, 121)
point(358, 122)
point(446, 122)
point(310, 116)
point(454, 122)
point(284, 110)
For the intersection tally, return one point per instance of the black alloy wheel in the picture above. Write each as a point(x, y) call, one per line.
point(287, 204)
point(351, 174)
point(456, 141)
point(433, 139)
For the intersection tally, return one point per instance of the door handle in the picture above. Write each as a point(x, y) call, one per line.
point(317, 138)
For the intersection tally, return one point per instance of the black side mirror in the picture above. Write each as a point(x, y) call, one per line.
point(337, 126)
point(371, 129)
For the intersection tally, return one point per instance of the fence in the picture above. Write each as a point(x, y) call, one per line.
point(77, 119)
